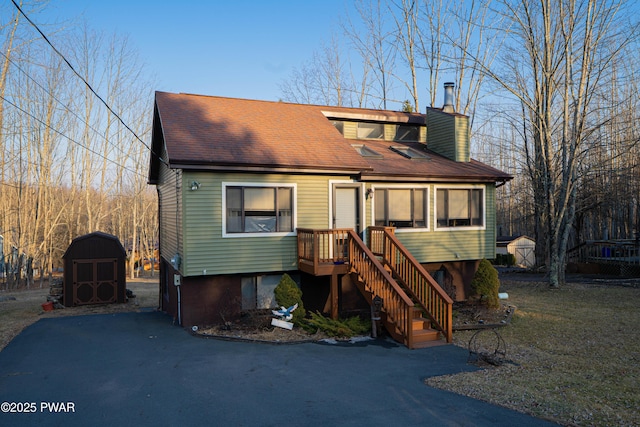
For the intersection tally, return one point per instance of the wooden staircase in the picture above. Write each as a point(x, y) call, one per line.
point(434, 307)
point(414, 310)
point(403, 313)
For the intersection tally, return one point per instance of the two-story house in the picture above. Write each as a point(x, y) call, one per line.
point(249, 190)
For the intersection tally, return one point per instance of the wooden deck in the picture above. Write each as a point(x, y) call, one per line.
point(415, 309)
point(323, 252)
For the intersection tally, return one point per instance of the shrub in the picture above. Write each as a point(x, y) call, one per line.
point(344, 328)
point(288, 293)
point(485, 284)
point(505, 259)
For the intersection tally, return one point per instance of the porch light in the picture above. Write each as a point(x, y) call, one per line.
point(195, 185)
point(369, 192)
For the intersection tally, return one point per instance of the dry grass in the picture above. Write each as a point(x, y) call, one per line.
point(573, 355)
point(15, 315)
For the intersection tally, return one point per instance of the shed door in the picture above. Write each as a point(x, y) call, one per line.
point(346, 212)
point(95, 281)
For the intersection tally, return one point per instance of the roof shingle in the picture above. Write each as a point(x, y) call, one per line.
point(212, 132)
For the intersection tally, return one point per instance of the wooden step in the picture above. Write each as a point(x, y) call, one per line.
point(422, 335)
point(420, 323)
point(427, 344)
point(424, 338)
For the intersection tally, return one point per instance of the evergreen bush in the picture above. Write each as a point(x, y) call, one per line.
point(343, 328)
point(485, 284)
point(288, 293)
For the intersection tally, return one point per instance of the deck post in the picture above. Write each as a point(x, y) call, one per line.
point(334, 296)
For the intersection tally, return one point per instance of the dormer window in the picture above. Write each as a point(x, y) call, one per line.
point(338, 125)
point(407, 133)
point(409, 153)
point(370, 131)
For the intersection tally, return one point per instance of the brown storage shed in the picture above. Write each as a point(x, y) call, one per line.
point(94, 270)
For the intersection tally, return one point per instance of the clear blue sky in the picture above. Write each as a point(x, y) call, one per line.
point(233, 48)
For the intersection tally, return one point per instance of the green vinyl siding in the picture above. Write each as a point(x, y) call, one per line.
point(462, 138)
point(206, 251)
point(389, 132)
point(456, 244)
point(350, 130)
point(448, 135)
point(170, 212)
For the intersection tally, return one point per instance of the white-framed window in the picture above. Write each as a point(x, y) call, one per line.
point(401, 207)
point(251, 209)
point(460, 207)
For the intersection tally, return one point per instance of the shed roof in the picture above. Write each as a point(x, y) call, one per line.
point(506, 240)
point(218, 133)
point(82, 247)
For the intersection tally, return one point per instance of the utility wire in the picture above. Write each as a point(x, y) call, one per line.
point(85, 82)
point(71, 139)
point(63, 104)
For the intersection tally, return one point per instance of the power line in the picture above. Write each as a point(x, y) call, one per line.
point(63, 104)
point(71, 139)
point(85, 82)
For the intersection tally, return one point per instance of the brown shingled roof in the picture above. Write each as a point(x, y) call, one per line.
point(434, 168)
point(215, 132)
point(227, 131)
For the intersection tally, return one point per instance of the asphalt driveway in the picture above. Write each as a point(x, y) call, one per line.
point(138, 369)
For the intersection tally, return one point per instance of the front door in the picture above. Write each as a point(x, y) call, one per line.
point(346, 207)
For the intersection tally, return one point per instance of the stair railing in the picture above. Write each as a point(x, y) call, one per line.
point(434, 301)
point(397, 305)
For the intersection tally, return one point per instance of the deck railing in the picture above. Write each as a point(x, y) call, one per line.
point(434, 301)
point(607, 252)
point(323, 246)
point(344, 246)
point(397, 305)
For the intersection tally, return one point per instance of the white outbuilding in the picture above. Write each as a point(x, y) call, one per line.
point(522, 247)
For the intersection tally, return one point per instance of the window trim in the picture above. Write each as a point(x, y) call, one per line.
point(483, 188)
point(294, 204)
point(427, 199)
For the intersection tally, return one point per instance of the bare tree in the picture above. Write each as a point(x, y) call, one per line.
point(407, 37)
point(321, 80)
point(66, 159)
point(558, 63)
point(376, 47)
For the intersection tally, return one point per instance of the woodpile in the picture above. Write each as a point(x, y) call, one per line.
point(56, 292)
